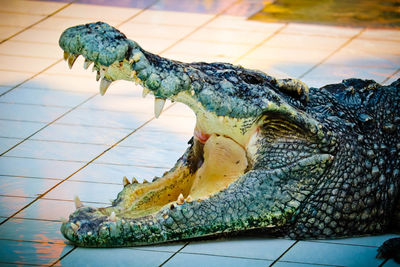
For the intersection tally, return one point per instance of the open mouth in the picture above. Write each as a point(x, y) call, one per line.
point(243, 133)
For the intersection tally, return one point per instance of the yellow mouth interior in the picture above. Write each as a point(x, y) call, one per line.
point(222, 162)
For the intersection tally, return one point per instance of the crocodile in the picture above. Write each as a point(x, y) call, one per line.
point(267, 155)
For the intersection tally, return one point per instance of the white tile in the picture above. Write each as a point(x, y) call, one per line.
point(295, 42)
point(31, 7)
point(97, 12)
point(23, 49)
point(57, 151)
point(87, 192)
point(19, 20)
point(7, 143)
point(333, 254)
point(12, 78)
point(25, 187)
point(10, 205)
point(134, 29)
point(19, 129)
point(320, 30)
point(182, 259)
point(62, 23)
point(7, 31)
point(37, 168)
point(39, 36)
point(255, 247)
point(44, 97)
point(18, 253)
point(120, 257)
point(152, 44)
point(381, 34)
point(24, 64)
point(373, 241)
point(236, 23)
point(162, 17)
point(30, 112)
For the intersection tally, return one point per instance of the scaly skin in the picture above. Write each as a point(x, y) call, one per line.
point(268, 155)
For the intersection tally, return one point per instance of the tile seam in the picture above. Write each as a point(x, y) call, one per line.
point(289, 248)
point(175, 253)
point(37, 22)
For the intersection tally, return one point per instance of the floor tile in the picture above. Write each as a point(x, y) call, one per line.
point(23, 49)
point(394, 77)
point(37, 167)
point(241, 24)
point(296, 41)
point(373, 241)
point(133, 29)
point(381, 34)
point(171, 123)
point(171, 18)
point(391, 263)
point(62, 69)
point(142, 157)
point(120, 256)
point(108, 173)
point(321, 30)
point(198, 6)
point(57, 151)
point(112, 119)
point(295, 264)
point(24, 64)
point(168, 247)
point(7, 31)
point(329, 74)
point(80, 135)
point(4, 89)
point(62, 23)
point(25, 187)
point(255, 247)
point(32, 230)
point(39, 36)
point(12, 78)
point(228, 36)
point(122, 3)
point(45, 97)
point(210, 49)
point(152, 44)
point(7, 143)
point(31, 252)
point(183, 259)
point(334, 254)
point(63, 83)
point(10, 205)
point(31, 7)
point(87, 192)
point(22, 20)
point(19, 129)
point(30, 112)
point(45, 209)
point(97, 12)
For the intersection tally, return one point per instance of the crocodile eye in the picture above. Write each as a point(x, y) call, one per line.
point(252, 78)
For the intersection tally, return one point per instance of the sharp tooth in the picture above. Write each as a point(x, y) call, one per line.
point(189, 199)
point(89, 233)
point(97, 76)
point(145, 92)
point(66, 55)
point(104, 84)
point(64, 220)
point(113, 217)
point(94, 67)
point(125, 181)
point(71, 60)
point(180, 200)
point(134, 180)
point(74, 227)
point(145, 181)
point(158, 106)
point(103, 71)
point(87, 63)
point(78, 203)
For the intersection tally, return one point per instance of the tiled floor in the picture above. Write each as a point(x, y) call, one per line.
point(60, 138)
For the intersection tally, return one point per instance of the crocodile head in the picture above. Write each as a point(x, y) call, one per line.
point(257, 151)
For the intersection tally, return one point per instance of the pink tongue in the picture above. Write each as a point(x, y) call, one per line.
point(202, 137)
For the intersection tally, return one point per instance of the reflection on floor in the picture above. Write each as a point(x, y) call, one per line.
point(56, 131)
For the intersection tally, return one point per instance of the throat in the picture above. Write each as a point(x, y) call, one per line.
point(224, 162)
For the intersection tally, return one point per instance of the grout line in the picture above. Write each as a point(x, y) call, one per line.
point(137, 14)
point(332, 53)
point(30, 78)
point(262, 42)
point(81, 168)
point(65, 255)
point(59, 242)
point(275, 261)
point(174, 254)
point(199, 27)
point(225, 256)
point(48, 124)
point(389, 77)
point(37, 22)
